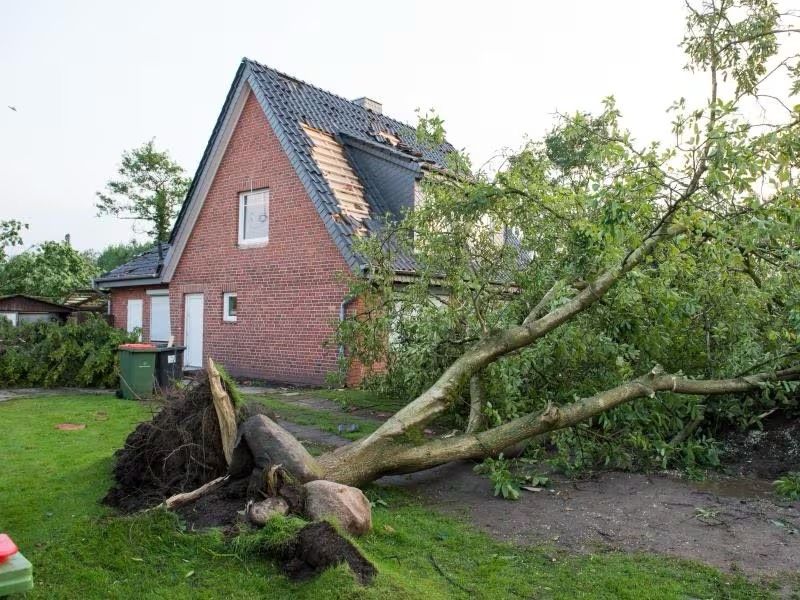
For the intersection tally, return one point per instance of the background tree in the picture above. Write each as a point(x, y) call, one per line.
point(51, 269)
point(10, 231)
point(666, 274)
point(150, 188)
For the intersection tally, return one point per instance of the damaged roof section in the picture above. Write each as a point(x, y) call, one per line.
point(351, 159)
point(346, 186)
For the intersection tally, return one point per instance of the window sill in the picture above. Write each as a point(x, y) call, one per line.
point(258, 244)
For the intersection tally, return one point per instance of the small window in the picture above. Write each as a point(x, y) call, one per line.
point(229, 306)
point(253, 218)
point(11, 316)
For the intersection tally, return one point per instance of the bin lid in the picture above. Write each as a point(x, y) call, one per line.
point(7, 547)
point(137, 347)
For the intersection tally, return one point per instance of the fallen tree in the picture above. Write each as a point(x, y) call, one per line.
point(588, 259)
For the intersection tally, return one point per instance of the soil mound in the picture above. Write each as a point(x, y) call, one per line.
point(319, 546)
point(178, 450)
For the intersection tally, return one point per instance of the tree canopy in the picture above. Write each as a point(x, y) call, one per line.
point(51, 269)
point(150, 189)
point(595, 268)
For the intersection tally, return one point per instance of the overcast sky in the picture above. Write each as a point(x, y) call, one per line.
point(91, 79)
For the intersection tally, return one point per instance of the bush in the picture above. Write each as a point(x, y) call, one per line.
point(49, 354)
point(788, 486)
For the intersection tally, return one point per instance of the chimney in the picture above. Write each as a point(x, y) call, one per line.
point(369, 104)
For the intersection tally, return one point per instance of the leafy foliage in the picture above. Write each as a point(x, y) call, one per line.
point(150, 188)
point(718, 298)
point(788, 486)
point(504, 482)
point(73, 354)
point(10, 235)
point(51, 269)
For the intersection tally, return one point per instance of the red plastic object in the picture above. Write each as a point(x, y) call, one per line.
point(137, 347)
point(7, 548)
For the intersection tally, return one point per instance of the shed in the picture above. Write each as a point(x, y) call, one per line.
point(21, 308)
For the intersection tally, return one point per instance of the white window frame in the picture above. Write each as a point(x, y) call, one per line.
point(131, 323)
point(226, 316)
point(261, 241)
point(153, 314)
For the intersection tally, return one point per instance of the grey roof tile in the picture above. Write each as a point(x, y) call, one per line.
point(148, 264)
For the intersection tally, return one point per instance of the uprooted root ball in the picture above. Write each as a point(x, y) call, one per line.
point(178, 450)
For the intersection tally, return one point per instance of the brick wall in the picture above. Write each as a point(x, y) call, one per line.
point(288, 291)
point(119, 307)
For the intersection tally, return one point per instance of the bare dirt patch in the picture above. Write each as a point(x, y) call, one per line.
point(728, 525)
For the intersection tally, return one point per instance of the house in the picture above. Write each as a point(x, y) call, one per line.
point(21, 308)
point(252, 273)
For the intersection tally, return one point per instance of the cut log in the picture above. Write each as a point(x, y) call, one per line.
point(226, 414)
point(271, 445)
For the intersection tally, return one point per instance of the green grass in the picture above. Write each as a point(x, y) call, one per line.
point(321, 419)
point(51, 482)
point(361, 399)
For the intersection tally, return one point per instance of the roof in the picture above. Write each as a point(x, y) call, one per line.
point(49, 304)
point(303, 117)
point(293, 107)
point(86, 299)
point(147, 265)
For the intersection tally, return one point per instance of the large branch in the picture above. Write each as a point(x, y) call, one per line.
point(404, 458)
point(436, 399)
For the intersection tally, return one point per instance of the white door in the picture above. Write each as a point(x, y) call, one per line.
point(135, 315)
point(193, 331)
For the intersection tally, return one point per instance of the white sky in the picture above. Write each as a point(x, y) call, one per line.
point(91, 79)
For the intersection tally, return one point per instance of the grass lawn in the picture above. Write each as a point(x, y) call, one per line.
point(363, 399)
point(326, 421)
point(51, 482)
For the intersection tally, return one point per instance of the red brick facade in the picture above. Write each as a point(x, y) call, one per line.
point(119, 307)
point(289, 291)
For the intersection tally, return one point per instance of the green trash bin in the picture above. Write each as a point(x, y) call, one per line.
point(137, 364)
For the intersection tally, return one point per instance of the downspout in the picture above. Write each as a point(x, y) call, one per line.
point(342, 315)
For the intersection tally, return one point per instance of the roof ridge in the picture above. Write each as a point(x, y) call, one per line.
point(324, 91)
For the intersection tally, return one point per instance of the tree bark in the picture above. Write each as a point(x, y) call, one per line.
point(226, 415)
point(477, 404)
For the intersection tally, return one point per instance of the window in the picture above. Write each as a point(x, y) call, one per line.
point(159, 318)
point(254, 218)
point(11, 316)
point(229, 306)
point(35, 317)
point(135, 315)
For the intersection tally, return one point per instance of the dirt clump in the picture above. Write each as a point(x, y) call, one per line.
point(318, 546)
point(766, 453)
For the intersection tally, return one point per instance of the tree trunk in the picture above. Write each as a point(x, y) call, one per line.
point(477, 404)
point(372, 457)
